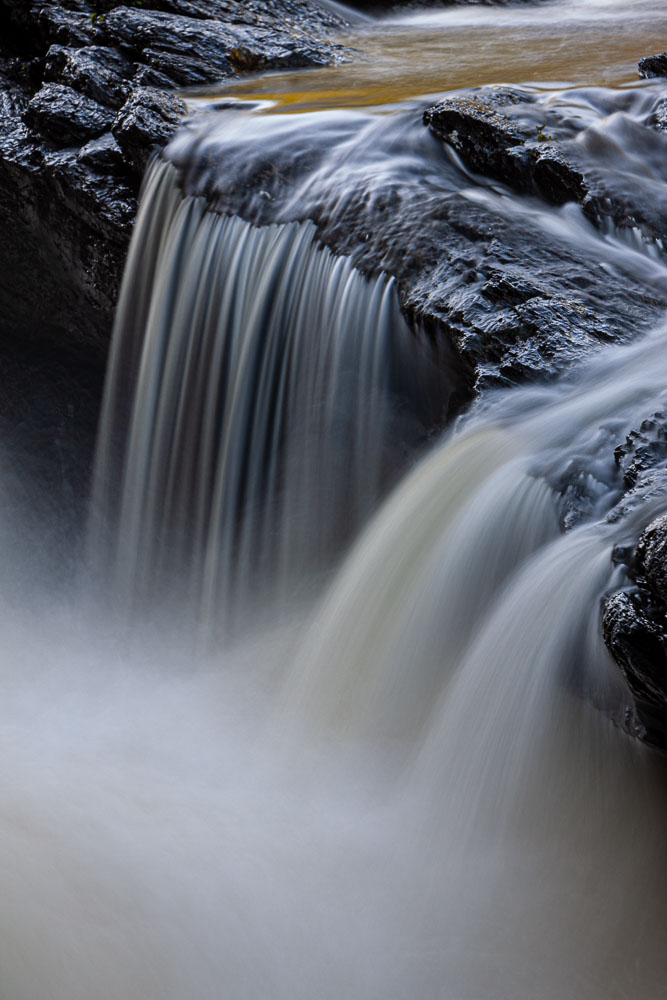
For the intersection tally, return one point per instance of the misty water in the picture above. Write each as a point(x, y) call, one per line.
point(327, 711)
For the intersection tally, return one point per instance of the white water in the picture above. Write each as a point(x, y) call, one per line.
point(254, 408)
point(416, 791)
point(411, 786)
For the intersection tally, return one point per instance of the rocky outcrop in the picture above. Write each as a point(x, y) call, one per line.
point(507, 299)
point(651, 66)
point(634, 625)
point(510, 136)
point(634, 620)
point(87, 95)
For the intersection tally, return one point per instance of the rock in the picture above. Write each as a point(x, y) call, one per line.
point(651, 66)
point(639, 646)
point(64, 252)
point(97, 71)
point(658, 118)
point(643, 449)
point(95, 78)
point(146, 121)
point(66, 27)
point(505, 299)
point(65, 116)
point(485, 137)
point(508, 135)
point(194, 51)
point(102, 155)
point(651, 559)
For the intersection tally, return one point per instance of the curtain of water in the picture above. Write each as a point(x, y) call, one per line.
point(252, 415)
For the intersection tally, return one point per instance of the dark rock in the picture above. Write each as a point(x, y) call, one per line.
point(77, 69)
point(483, 135)
point(639, 646)
point(146, 76)
point(651, 66)
point(658, 118)
point(192, 51)
point(466, 266)
point(507, 135)
point(65, 116)
point(643, 449)
point(66, 27)
point(102, 155)
point(96, 71)
point(558, 179)
point(147, 120)
point(64, 251)
point(651, 559)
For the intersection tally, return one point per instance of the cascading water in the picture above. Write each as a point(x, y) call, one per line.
point(420, 787)
point(258, 403)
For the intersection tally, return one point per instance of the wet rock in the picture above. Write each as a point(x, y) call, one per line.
point(635, 620)
point(639, 646)
point(64, 251)
point(506, 299)
point(558, 179)
point(651, 66)
point(65, 116)
point(643, 449)
point(146, 76)
point(96, 71)
point(194, 51)
point(68, 28)
point(484, 136)
point(146, 121)
point(85, 98)
point(102, 155)
point(658, 118)
point(509, 136)
point(651, 559)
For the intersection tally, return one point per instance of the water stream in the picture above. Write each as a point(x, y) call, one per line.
point(328, 713)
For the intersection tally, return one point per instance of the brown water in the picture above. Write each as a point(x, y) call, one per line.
point(589, 43)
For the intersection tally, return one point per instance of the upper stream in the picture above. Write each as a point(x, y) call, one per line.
point(328, 712)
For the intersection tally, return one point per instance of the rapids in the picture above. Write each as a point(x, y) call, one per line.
point(327, 711)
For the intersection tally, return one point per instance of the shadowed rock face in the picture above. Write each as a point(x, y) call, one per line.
point(86, 97)
point(634, 620)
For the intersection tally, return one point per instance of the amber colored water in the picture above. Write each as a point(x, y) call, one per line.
point(589, 43)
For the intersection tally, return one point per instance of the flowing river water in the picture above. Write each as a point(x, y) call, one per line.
point(328, 712)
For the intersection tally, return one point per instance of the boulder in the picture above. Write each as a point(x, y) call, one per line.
point(86, 97)
point(97, 71)
point(145, 122)
point(651, 66)
point(639, 646)
point(65, 116)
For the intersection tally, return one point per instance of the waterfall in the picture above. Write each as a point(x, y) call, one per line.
point(257, 406)
point(398, 766)
point(420, 790)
